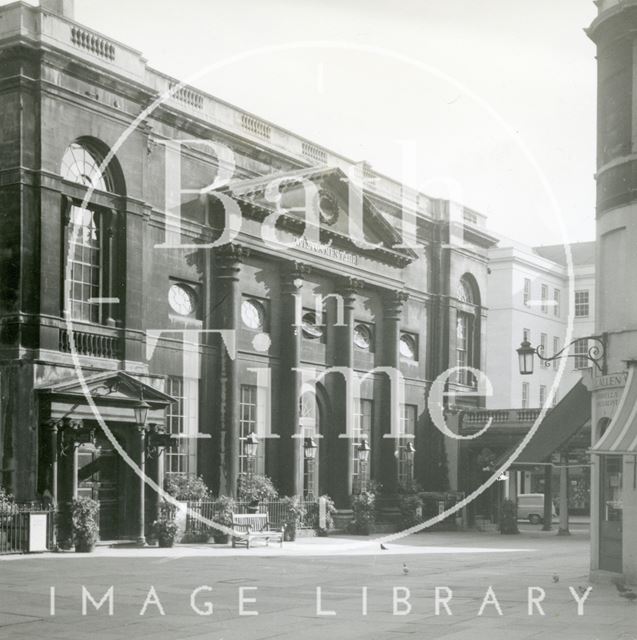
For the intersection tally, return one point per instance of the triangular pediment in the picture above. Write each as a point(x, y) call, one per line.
point(117, 387)
point(339, 219)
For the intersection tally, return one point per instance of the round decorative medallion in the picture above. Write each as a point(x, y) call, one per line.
point(407, 346)
point(309, 326)
point(362, 336)
point(252, 314)
point(181, 299)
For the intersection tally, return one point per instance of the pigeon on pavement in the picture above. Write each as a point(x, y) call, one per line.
point(405, 569)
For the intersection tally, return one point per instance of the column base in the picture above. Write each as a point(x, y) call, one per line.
point(547, 528)
point(563, 532)
point(141, 541)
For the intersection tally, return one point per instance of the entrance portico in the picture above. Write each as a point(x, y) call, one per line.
point(91, 444)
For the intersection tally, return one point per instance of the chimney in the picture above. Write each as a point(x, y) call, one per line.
point(64, 8)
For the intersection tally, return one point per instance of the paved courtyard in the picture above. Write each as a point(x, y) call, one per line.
point(283, 585)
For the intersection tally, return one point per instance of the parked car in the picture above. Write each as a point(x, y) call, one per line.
point(531, 507)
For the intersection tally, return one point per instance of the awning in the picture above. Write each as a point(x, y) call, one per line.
point(621, 435)
point(560, 424)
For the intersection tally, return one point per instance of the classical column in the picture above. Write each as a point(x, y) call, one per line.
point(547, 520)
point(344, 357)
point(393, 306)
point(291, 448)
point(564, 529)
point(141, 521)
point(228, 273)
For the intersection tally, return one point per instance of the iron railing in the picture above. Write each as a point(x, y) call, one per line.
point(277, 513)
point(14, 527)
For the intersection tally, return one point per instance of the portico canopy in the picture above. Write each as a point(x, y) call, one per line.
point(114, 394)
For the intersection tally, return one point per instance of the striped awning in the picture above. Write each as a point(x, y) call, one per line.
point(620, 438)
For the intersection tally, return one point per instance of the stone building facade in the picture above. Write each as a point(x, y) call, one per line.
point(137, 269)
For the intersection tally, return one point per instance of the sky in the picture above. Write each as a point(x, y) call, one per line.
point(461, 99)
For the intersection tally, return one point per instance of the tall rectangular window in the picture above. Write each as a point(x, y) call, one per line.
point(580, 350)
point(581, 304)
point(545, 298)
point(464, 348)
point(556, 348)
point(247, 421)
point(409, 414)
point(526, 334)
point(525, 395)
point(177, 455)
point(543, 341)
point(542, 395)
point(85, 264)
point(556, 303)
point(527, 291)
point(362, 429)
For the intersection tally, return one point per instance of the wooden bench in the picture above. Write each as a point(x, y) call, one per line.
point(256, 527)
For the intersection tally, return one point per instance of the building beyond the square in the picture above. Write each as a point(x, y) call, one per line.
point(614, 405)
point(111, 302)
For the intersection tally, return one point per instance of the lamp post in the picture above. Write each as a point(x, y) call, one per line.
point(362, 455)
point(310, 447)
point(410, 450)
point(251, 445)
point(595, 353)
point(141, 415)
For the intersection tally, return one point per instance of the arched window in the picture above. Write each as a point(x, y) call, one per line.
point(90, 233)
point(467, 331)
point(81, 165)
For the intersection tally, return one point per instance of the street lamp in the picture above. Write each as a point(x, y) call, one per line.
point(141, 410)
point(596, 353)
point(141, 414)
point(525, 356)
point(251, 446)
point(309, 449)
point(362, 455)
point(410, 450)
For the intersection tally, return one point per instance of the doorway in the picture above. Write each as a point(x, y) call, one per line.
point(611, 514)
point(98, 478)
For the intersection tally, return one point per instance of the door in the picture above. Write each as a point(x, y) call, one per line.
point(610, 535)
point(97, 478)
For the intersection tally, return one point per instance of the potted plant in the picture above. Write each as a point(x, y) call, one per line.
point(255, 489)
point(165, 529)
point(314, 513)
point(411, 510)
point(364, 508)
point(294, 514)
point(84, 514)
point(185, 488)
point(224, 507)
point(508, 518)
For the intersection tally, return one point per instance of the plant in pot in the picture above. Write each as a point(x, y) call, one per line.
point(165, 528)
point(294, 514)
point(255, 489)
point(508, 518)
point(314, 514)
point(224, 507)
point(84, 514)
point(364, 511)
point(411, 510)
